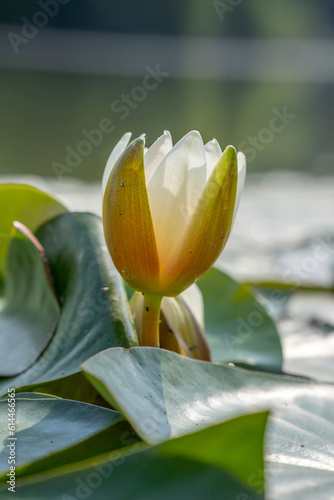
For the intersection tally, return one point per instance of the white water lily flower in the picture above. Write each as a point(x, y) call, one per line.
point(168, 212)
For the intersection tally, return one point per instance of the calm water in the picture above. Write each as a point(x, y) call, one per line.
point(44, 116)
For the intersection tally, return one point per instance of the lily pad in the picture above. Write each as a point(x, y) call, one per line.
point(238, 328)
point(164, 395)
point(26, 204)
point(29, 310)
point(94, 311)
point(51, 432)
point(219, 462)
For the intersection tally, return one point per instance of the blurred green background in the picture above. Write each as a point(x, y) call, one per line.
point(230, 64)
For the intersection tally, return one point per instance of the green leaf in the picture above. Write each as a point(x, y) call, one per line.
point(75, 386)
point(51, 432)
point(164, 395)
point(238, 327)
point(243, 439)
point(26, 204)
point(29, 310)
point(95, 314)
point(219, 462)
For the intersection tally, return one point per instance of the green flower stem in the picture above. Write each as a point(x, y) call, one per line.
point(151, 319)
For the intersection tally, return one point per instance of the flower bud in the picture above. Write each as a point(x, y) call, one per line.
point(168, 211)
point(181, 327)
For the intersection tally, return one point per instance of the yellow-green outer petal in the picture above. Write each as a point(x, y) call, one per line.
point(127, 221)
point(209, 227)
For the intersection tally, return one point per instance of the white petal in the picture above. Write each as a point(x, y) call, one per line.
point(174, 315)
point(194, 300)
point(197, 175)
point(212, 152)
point(156, 153)
point(113, 157)
point(241, 181)
point(174, 190)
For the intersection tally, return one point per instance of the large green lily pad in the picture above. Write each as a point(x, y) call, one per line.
point(94, 310)
point(164, 395)
point(29, 310)
point(51, 432)
point(219, 462)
